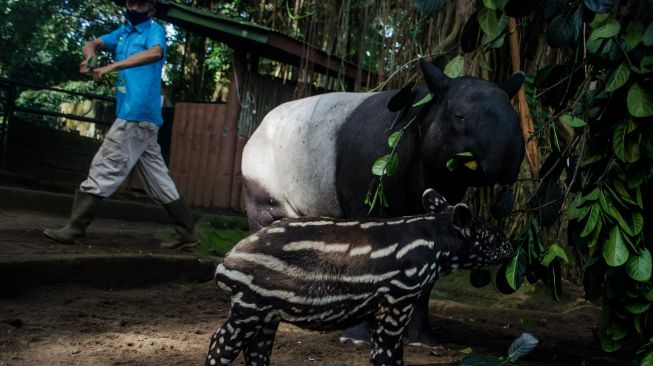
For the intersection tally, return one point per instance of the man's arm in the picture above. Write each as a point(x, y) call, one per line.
point(141, 58)
point(89, 50)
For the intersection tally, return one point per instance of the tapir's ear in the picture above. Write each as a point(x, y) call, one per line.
point(402, 98)
point(433, 201)
point(512, 85)
point(461, 215)
point(436, 81)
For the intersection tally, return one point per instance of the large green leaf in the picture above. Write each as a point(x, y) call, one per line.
point(394, 138)
point(385, 165)
point(615, 251)
point(648, 359)
point(592, 219)
point(647, 37)
point(607, 343)
point(640, 102)
point(455, 67)
point(638, 307)
point(490, 4)
point(554, 251)
point(487, 19)
point(608, 29)
point(637, 223)
point(638, 267)
point(633, 35)
point(618, 141)
point(572, 121)
point(618, 78)
point(516, 270)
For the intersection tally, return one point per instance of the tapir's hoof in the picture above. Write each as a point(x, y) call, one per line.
point(358, 335)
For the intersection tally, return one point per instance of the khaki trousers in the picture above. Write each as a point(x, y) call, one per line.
point(130, 145)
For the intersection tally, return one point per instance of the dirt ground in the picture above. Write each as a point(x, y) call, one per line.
point(171, 323)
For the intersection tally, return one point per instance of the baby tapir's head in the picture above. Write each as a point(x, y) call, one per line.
point(483, 244)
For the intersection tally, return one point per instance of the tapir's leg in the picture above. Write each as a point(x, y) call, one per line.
point(419, 332)
point(387, 335)
point(231, 338)
point(259, 347)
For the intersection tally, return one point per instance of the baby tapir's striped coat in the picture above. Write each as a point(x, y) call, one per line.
point(323, 274)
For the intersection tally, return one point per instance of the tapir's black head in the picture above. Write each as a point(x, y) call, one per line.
point(472, 115)
point(483, 244)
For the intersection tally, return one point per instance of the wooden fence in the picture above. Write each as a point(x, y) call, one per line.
point(204, 175)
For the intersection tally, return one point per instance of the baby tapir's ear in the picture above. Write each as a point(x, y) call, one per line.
point(433, 201)
point(461, 216)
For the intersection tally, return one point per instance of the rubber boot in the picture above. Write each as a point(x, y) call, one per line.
point(183, 221)
point(80, 217)
point(418, 331)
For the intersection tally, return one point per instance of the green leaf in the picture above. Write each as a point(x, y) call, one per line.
point(592, 196)
point(638, 267)
point(385, 165)
point(554, 251)
point(618, 78)
point(455, 67)
point(647, 37)
point(522, 346)
point(648, 359)
point(615, 252)
point(607, 343)
point(490, 4)
point(631, 147)
point(614, 213)
point(596, 234)
point(460, 158)
point(633, 35)
point(640, 102)
point(616, 332)
point(638, 307)
point(618, 141)
point(572, 121)
point(576, 210)
point(466, 351)
point(487, 19)
point(427, 98)
point(516, 271)
point(637, 223)
point(592, 219)
point(607, 30)
point(394, 138)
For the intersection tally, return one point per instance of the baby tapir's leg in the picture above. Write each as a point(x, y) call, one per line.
point(233, 336)
point(259, 347)
point(388, 333)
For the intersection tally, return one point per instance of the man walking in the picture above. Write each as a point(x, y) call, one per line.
point(139, 47)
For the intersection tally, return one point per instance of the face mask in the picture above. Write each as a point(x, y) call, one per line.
point(136, 17)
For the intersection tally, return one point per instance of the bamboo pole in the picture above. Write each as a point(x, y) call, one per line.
point(525, 119)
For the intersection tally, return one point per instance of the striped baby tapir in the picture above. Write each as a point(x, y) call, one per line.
point(325, 274)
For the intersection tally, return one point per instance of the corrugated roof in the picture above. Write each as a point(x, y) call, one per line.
point(255, 39)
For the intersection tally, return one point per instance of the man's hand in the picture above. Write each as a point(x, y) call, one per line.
point(86, 65)
point(100, 71)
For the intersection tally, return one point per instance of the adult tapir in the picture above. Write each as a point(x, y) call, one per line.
point(313, 156)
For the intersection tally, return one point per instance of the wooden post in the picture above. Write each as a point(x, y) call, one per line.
point(229, 134)
point(525, 119)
